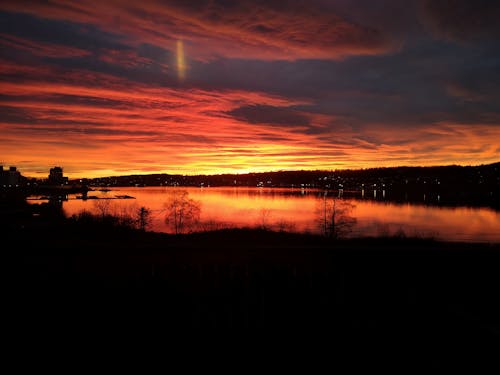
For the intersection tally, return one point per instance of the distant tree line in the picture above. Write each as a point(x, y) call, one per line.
point(473, 176)
point(443, 185)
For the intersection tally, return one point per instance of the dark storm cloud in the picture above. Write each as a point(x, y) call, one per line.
point(463, 20)
point(14, 115)
point(426, 82)
point(63, 99)
point(25, 38)
point(64, 33)
point(266, 114)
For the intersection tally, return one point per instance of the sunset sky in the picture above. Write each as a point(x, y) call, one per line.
point(120, 87)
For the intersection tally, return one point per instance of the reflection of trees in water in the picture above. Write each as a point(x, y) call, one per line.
point(267, 222)
point(264, 218)
point(251, 191)
point(182, 215)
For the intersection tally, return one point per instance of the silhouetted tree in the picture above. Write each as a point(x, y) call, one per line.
point(334, 217)
point(183, 213)
point(143, 218)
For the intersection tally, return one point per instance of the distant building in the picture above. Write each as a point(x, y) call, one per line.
point(10, 177)
point(56, 177)
point(14, 176)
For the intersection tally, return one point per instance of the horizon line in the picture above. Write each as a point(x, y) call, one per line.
point(269, 171)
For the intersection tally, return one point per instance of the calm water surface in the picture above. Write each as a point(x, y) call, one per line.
point(298, 210)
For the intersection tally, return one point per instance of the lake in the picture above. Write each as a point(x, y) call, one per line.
point(300, 210)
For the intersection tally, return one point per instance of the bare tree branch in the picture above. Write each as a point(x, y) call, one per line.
point(183, 213)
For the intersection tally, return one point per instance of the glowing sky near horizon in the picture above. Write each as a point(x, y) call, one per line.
point(122, 87)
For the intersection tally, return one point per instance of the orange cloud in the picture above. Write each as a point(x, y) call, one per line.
point(123, 128)
point(65, 123)
point(115, 122)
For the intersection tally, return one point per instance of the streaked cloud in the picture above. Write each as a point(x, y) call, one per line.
point(242, 29)
point(116, 87)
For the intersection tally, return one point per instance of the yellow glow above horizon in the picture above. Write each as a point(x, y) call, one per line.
point(172, 87)
point(123, 128)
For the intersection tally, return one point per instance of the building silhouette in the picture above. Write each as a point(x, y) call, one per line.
point(56, 177)
point(10, 177)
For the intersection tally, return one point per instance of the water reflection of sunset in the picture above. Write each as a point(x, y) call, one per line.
point(455, 223)
point(293, 208)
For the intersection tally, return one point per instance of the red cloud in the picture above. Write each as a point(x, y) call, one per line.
point(243, 29)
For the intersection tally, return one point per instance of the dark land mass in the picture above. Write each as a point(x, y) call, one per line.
point(403, 303)
point(475, 186)
point(443, 185)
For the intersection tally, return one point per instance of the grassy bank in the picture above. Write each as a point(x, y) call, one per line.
point(358, 292)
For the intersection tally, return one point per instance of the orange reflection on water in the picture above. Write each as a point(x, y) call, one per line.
point(257, 207)
point(449, 223)
point(297, 210)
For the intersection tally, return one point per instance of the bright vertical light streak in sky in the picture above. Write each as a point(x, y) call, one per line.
point(181, 64)
point(323, 85)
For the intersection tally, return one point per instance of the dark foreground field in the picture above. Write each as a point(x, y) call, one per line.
point(396, 301)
